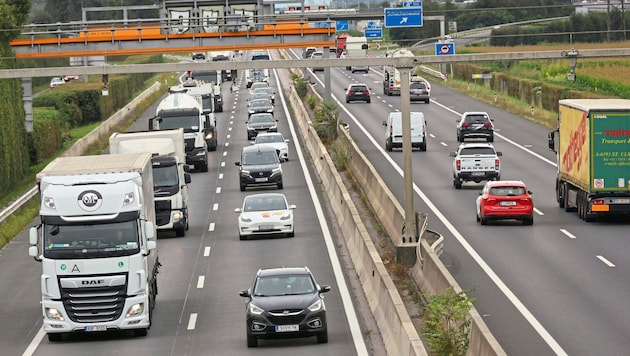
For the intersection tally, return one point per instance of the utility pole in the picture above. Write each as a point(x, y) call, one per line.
point(410, 219)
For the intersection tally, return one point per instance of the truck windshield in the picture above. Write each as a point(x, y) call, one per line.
point(91, 241)
point(165, 176)
point(189, 122)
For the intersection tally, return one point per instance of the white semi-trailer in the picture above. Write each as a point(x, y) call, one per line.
point(96, 243)
point(170, 172)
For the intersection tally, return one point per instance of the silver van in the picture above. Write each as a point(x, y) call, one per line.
point(394, 133)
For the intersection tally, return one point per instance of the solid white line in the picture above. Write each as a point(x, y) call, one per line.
point(538, 212)
point(540, 329)
point(603, 259)
point(570, 235)
point(211, 227)
point(348, 306)
point(192, 321)
point(200, 281)
point(30, 350)
point(215, 206)
point(206, 251)
point(218, 190)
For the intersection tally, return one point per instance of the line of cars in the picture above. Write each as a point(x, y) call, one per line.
point(284, 302)
point(480, 161)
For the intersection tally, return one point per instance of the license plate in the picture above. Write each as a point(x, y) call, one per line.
point(477, 174)
point(508, 203)
point(621, 201)
point(265, 227)
point(264, 179)
point(91, 328)
point(287, 328)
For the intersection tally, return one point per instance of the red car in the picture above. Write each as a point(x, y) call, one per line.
point(505, 200)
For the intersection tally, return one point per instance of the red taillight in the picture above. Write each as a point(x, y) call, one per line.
point(466, 124)
point(351, 92)
point(487, 124)
point(366, 92)
point(491, 201)
point(597, 202)
point(496, 164)
point(458, 164)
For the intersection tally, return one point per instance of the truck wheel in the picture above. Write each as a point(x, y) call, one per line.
point(423, 146)
point(53, 337)
point(559, 196)
point(388, 146)
point(457, 183)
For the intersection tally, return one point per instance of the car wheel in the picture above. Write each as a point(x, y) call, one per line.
point(203, 167)
point(477, 217)
point(242, 237)
point(280, 185)
point(322, 338)
point(491, 139)
point(388, 146)
point(369, 101)
point(423, 146)
point(347, 100)
point(53, 337)
point(457, 183)
point(243, 186)
point(427, 101)
point(483, 221)
point(460, 138)
point(141, 332)
point(252, 341)
point(529, 220)
point(291, 234)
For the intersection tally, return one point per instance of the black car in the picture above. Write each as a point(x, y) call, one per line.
point(263, 122)
point(285, 303)
point(475, 125)
point(358, 92)
point(198, 56)
point(259, 106)
point(259, 166)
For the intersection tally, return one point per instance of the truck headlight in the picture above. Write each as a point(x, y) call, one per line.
point(135, 310)
point(54, 314)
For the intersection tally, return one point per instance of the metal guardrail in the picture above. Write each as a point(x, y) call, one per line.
point(17, 204)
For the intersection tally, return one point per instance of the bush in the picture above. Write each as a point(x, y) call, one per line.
point(301, 86)
point(447, 324)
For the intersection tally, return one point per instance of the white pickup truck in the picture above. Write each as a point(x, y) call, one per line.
point(475, 162)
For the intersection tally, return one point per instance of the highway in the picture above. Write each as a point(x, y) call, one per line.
point(198, 309)
point(557, 287)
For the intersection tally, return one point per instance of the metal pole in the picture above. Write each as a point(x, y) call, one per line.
point(407, 167)
point(327, 90)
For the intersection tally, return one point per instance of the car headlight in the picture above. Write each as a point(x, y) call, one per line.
point(245, 219)
point(244, 172)
point(316, 306)
point(201, 153)
point(270, 110)
point(276, 170)
point(253, 309)
point(285, 216)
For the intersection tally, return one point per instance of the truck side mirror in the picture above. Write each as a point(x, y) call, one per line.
point(187, 178)
point(151, 124)
point(552, 141)
point(33, 235)
point(149, 230)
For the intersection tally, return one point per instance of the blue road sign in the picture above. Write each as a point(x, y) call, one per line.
point(403, 17)
point(372, 24)
point(444, 49)
point(412, 3)
point(324, 24)
point(374, 33)
point(342, 25)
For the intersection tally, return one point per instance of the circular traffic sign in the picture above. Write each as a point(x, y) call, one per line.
point(599, 183)
point(445, 49)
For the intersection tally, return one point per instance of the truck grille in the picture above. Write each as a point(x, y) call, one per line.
point(162, 205)
point(94, 304)
point(162, 217)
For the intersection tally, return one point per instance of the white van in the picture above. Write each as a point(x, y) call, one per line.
point(394, 133)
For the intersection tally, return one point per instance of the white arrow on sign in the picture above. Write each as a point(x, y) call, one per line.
point(403, 20)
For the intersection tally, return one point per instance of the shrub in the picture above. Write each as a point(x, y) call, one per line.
point(447, 324)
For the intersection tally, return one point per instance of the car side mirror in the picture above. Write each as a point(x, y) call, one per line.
point(452, 154)
point(244, 293)
point(237, 164)
point(384, 123)
point(530, 192)
point(499, 154)
point(324, 289)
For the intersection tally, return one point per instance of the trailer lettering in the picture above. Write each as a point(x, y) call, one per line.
point(619, 132)
point(573, 153)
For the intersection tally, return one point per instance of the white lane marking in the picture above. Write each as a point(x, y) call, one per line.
point(540, 329)
point(227, 144)
point(200, 281)
point(230, 128)
point(443, 144)
point(218, 190)
point(227, 136)
point(431, 135)
point(348, 306)
point(570, 235)
point(538, 212)
point(224, 153)
point(220, 175)
point(211, 227)
point(206, 251)
point(30, 350)
point(192, 321)
point(606, 262)
point(222, 164)
point(215, 206)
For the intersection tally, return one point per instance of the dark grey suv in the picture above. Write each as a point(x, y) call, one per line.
point(259, 166)
point(475, 125)
point(285, 303)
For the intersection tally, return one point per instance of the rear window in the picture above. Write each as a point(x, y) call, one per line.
point(358, 88)
point(260, 57)
point(477, 151)
point(507, 191)
point(477, 119)
point(417, 86)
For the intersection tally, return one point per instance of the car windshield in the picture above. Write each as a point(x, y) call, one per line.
point(268, 139)
point(264, 203)
point(477, 151)
point(507, 191)
point(270, 286)
point(260, 157)
point(477, 119)
point(259, 119)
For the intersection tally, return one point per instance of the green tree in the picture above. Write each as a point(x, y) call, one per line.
point(447, 324)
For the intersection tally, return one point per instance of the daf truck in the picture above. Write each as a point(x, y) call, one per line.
point(180, 110)
point(593, 156)
point(97, 245)
point(170, 173)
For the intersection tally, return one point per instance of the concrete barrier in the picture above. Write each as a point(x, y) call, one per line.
point(429, 273)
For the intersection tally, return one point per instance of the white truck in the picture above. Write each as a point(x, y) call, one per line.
point(180, 110)
point(356, 47)
point(391, 75)
point(475, 162)
point(212, 80)
point(170, 173)
point(204, 94)
point(96, 242)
